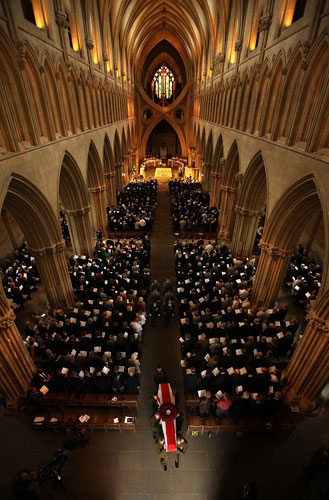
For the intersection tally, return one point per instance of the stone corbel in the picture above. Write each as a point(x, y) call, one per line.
point(238, 46)
point(89, 44)
point(21, 54)
point(265, 23)
point(61, 20)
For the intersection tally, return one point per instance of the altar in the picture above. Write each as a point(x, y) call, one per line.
point(163, 174)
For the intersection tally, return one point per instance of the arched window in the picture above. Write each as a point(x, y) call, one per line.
point(69, 34)
point(28, 11)
point(163, 85)
point(299, 10)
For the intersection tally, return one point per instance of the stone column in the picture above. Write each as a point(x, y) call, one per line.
point(215, 190)
point(118, 169)
point(308, 370)
point(80, 230)
point(52, 266)
point(110, 188)
point(245, 228)
point(217, 193)
point(271, 269)
point(226, 216)
point(98, 195)
point(16, 365)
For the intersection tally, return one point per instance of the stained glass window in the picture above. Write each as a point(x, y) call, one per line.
point(164, 83)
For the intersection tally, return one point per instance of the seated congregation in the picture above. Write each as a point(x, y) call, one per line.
point(303, 278)
point(95, 346)
point(190, 208)
point(135, 207)
point(232, 354)
point(20, 277)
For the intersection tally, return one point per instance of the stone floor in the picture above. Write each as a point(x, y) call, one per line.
point(124, 466)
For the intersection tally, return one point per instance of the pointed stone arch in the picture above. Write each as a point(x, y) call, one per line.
point(229, 189)
point(251, 202)
point(154, 123)
point(286, 101)
point(96, 186)
point(283, 227)
point(41, 229)
point(312, 95)
point(74, 199)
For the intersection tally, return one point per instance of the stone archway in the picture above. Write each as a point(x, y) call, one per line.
point(43, 234)
point(250, 206)
point(96, 186)
point(154, 123)
point(74, 198)
point(283, 228)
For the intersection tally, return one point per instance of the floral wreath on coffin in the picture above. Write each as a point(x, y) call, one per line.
point(168, 412)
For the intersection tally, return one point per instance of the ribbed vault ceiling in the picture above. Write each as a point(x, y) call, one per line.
point(192, 26)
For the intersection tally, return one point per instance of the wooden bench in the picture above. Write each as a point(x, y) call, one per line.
point(92, 400)
point(240, 425)
point(192, 401)
point(70, 419)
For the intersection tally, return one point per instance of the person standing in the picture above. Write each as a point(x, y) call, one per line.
point(154, 313)
point(168, 312)
point(181, 449)
point(155, 425)
point(160, 450)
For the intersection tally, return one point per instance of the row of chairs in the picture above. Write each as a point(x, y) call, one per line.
point(239, 425)
point(92, 400)
point(76, 420)
point(127, 234)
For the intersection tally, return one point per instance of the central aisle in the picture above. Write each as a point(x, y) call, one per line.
point(161, 345)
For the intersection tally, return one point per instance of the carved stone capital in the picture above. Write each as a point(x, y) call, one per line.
point(221, 57)
point(274, 251)
point(7, 320)
point(318, 323)
point(78, 212)
point(109, 175)
point(246, 212)
point(98, 189)
point(222, 162)
point(56, 248)
point(228, 189)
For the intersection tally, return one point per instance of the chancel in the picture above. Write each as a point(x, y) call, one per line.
point(164, 237)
